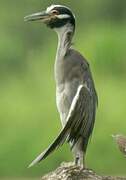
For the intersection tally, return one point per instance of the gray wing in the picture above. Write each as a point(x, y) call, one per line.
point(82, 115)
point(79, 122)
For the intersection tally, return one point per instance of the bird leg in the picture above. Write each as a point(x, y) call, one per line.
point(79, 156)
point(79, 159)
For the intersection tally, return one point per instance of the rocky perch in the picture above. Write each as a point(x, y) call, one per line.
point(68, 171)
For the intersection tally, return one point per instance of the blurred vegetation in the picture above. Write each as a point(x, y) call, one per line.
point(28, 117)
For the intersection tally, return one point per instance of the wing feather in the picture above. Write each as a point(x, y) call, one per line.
point(78, 123)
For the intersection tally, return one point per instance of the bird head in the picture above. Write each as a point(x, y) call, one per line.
point(55, 16)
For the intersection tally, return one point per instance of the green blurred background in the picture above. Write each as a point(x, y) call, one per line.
point(29, 120)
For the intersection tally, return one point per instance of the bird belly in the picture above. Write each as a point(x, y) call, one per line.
point(63, 106)
point(64, 96)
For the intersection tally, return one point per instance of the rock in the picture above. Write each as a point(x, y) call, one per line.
point(68, 171)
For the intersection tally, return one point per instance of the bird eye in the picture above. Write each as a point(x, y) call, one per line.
point(55, 12)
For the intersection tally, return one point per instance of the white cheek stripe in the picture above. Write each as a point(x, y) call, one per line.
point(63, 16)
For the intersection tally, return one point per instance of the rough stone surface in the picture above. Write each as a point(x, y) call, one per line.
point(68, 171)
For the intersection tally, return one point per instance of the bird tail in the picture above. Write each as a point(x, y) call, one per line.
point(56, 143)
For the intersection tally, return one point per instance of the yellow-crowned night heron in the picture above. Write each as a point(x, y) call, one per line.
point(75, 92)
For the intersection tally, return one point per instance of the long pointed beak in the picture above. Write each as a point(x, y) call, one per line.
point(40, 16)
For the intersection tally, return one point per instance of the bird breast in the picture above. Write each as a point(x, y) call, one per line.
point(69, 74)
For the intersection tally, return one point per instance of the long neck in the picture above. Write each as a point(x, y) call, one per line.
point(65, 35)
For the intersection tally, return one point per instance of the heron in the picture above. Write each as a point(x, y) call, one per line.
point(76, 97)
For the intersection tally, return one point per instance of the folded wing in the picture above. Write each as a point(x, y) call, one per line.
point(80, 122)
